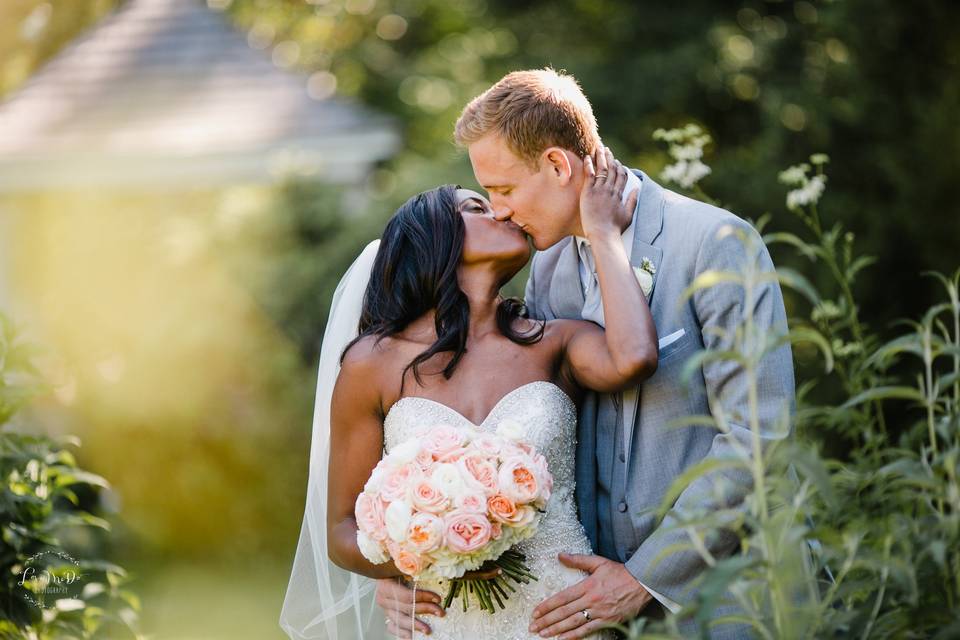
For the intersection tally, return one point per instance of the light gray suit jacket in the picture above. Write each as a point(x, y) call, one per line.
point(616, 490)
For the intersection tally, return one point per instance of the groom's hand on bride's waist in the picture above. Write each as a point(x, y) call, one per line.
point(609, 595)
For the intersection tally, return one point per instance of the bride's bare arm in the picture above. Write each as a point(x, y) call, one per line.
point(356, 446)
point(625, 352)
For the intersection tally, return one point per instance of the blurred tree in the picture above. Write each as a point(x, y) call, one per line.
point(875, 87)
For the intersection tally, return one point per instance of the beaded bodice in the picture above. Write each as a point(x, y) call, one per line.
point(549, 419)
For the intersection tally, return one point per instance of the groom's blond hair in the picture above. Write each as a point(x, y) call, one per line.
point(532, 110)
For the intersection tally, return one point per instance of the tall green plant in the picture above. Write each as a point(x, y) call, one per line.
point(47, 590)
point(862, 542)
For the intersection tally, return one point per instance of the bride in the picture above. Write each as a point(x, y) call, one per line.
point(419, 335)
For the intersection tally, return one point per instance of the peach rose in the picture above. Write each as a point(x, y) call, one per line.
point(518, 480)
point(427, 496)
point(369, 513)
point(502, 509)
point(425, 532)
point(408, 562)
point(466, 532)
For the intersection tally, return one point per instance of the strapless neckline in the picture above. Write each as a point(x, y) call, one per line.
point(496, 406)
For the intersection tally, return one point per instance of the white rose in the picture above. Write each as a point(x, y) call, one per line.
point(397, 518)
point(371, 549)
point(645, 279)
point(375, 482)
point(447, 478)
point(510, 429)
point(405, 452)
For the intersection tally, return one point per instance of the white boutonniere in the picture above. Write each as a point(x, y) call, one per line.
point(644, 274)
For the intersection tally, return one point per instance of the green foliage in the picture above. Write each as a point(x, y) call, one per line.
point(859, 540)
point(45, 592)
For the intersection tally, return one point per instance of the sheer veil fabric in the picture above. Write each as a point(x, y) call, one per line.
point(323, 600)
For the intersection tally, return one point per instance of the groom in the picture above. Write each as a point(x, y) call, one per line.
point(527, 137)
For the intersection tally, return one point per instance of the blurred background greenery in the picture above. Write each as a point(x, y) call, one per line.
point(186, 320)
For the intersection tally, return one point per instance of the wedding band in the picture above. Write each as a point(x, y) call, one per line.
point(586, 614)
point(602, 174)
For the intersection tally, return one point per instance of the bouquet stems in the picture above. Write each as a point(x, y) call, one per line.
point(492, 592)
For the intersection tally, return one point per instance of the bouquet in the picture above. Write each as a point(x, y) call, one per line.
point(451, 499)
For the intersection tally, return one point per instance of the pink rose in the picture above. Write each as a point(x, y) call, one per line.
point(518, 480)
point(393, 548)
point(426, 496)
point(397, 481)
point(424, 459)
point(425, 532)
point(481, 469)
point(369, 514)
point(442, 439)
point(472, 503)
point(544, 476)
point(408, 562)
point(454, 455)
point(486, 444)
point(525, 448)
point(466, 532)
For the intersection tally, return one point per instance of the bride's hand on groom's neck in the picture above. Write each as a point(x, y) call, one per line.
point(603, 213)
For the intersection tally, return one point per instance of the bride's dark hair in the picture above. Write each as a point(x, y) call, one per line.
point(415, 270)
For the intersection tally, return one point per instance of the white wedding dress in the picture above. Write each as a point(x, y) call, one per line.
point(549, 417)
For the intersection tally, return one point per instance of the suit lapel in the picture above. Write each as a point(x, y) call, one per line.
point(566, 293)
point(649, 224)
point(648, 227)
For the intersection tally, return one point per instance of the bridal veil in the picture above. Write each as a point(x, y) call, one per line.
point(323, 600)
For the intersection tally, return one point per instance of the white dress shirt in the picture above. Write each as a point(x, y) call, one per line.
point(593, 310)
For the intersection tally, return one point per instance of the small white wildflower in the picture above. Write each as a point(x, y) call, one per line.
point(685, 173)
point(819, 158)
point(794, 175)
point(809, 193)
point(685, 146)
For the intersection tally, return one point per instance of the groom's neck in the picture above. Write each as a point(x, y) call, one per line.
point(624, 220)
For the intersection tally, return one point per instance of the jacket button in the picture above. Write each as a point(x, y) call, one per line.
point(622, 507)
point(623, 458)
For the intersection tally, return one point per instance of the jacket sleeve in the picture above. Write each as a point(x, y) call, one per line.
point(665, 560)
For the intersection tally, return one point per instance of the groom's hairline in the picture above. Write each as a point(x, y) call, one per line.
point(468, 130)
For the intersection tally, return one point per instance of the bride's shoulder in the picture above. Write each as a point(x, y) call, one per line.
point(378, 355)
point(369, 352)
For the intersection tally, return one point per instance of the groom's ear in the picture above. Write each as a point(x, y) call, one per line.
point(559, 164)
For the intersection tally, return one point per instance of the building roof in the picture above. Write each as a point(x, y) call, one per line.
point(165, 92)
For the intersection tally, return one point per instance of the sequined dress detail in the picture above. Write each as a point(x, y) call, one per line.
point(549, 417)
